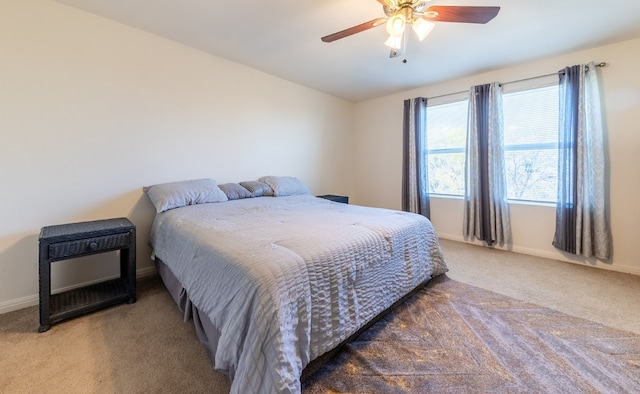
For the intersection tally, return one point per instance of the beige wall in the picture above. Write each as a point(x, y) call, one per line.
point(378, 142)
point(92, 110)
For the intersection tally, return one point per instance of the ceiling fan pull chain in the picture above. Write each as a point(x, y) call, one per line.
point(405, 39)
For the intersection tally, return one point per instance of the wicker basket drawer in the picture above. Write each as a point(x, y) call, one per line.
point(88, 245)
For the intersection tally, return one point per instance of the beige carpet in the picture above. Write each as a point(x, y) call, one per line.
point(604, 296)
point(139, 348)
point(146, 348)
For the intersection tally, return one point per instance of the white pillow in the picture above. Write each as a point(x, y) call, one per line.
point(172, 195)
point(285, 185)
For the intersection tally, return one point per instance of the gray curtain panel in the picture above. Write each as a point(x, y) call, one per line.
point(486, 209)
point(582, 227)
point(415, 180)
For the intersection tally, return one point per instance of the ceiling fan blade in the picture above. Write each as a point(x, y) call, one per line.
point(444, 13)
point(353, 30)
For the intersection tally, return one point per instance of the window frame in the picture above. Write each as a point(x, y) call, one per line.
point(507, 88)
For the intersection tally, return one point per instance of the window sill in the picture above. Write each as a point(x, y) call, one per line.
point(534, 203)
point(511, 202)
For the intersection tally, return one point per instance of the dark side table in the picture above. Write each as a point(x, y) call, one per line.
point(67, 241)
point(333, 197)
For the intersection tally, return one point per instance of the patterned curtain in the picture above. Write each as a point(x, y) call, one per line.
point(582, 227)
point(415, 182)
point(486, 210)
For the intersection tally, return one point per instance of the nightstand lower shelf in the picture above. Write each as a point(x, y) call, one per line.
point(88, 299)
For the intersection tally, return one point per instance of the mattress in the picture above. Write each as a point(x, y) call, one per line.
point(283, 280)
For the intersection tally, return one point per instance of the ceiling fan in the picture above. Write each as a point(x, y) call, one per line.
point(406, 15)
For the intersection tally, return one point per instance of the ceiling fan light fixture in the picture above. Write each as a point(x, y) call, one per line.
point(422, 28)
point(396, 25)
point(394, 42)
point(416, 15)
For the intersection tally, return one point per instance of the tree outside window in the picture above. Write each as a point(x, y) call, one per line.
point(530, 138)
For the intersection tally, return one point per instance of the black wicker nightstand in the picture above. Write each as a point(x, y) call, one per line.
point(67, 241)
point(342, 199)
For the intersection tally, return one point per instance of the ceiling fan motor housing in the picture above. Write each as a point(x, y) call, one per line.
point(410, 9)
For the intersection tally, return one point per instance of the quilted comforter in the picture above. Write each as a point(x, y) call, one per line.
point(285, 279)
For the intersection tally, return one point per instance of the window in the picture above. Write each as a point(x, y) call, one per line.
point(530, 143)
point(530, 139)
point(446, 140)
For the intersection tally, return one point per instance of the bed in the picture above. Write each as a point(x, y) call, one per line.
point(277, 278)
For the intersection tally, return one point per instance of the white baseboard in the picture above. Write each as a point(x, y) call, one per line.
point(19, 303)
point(548, 255)
point(31, 300)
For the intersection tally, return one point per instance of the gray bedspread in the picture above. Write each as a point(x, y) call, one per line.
point(285, 279)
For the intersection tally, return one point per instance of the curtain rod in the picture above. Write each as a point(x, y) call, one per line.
point(601, 64)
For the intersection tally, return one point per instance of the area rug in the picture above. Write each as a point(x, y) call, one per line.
point(451, 337)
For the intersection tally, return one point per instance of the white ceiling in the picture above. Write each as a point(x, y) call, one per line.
point(282, 37)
